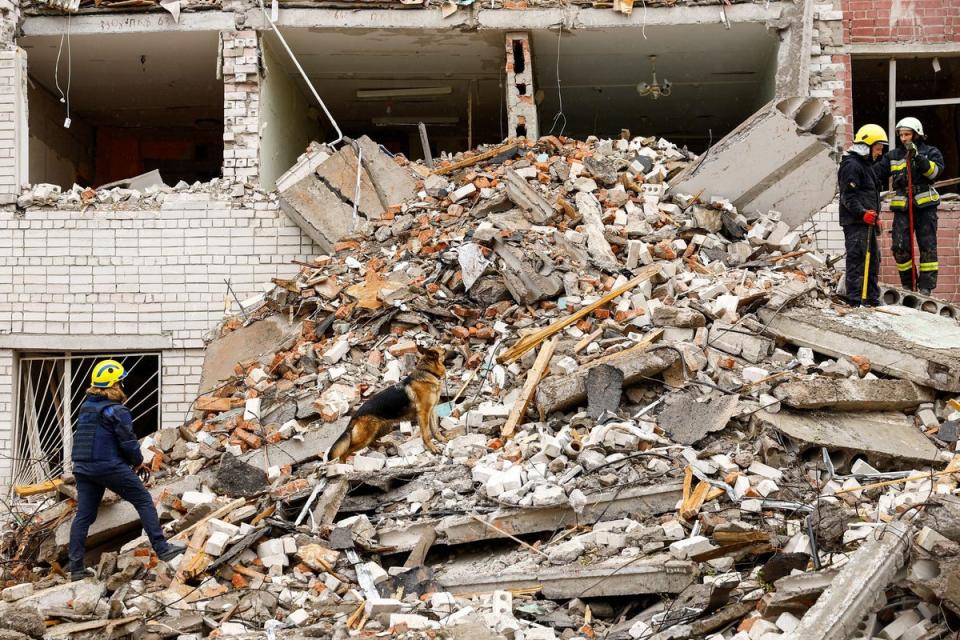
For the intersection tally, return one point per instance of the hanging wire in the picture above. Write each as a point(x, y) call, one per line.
point(559, 115)
point(303, 74)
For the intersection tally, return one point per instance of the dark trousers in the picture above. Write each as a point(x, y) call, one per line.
point(925, 230)
point(855, 241)
point(123, 482)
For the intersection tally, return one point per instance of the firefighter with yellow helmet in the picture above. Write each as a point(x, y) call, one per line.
point(859, 203)
point(914, 166)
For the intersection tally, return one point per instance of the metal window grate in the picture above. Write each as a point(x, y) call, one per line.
point(51, 390)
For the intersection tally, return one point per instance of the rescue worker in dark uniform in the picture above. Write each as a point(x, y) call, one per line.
point(106, 455)
point(926, 163)
point(859, 203)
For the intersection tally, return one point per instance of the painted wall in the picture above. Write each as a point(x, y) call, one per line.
point(285, 125)
point(57, 155)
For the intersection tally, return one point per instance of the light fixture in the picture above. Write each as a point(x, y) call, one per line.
point(412, 121)
point(412, 92)
point(654, 89)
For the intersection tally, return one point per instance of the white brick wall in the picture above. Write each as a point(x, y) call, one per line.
point(827, 230)
point(7, 413)
point(12, 121)
point(151, 272)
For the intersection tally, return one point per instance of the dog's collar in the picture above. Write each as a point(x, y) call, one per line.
point(430, 373)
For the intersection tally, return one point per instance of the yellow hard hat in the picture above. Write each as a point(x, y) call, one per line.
point(871, 134)
point(107, 373)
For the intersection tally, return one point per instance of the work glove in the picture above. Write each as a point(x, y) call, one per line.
point(911, 148)
point(870, 217)
point(143, 472)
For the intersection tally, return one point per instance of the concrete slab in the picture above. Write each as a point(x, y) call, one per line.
point(318, 211)
point(858, 588)
point(249, 342)
point(852, 395)
point(393, 183)
point(614, 577)
point(688, 418)
point(882, 436)
point(898, 341)
point(339, 173)
point(82, 596)
point(791, 170)
point(313, 444)
point(599, 507)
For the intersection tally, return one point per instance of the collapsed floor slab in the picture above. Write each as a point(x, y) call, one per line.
point(900, 342)
point(245, 343)
point(852, 395)
point(608, 505)
point(614, 577)
point(796, 176)
point(880, 436)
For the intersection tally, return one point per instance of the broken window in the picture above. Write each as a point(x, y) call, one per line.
point(590, 82)
point(51, 390)
point(107, 107)
point(925, 88)
point(382, 86)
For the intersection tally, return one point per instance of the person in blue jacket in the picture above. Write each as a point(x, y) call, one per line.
point(106, 455)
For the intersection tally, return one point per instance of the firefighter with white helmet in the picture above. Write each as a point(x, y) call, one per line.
point(914, 166)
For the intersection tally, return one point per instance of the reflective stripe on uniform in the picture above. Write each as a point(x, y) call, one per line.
point(899, 202)
point(898, 165)
point(927, 197)
point(932, 170)
point(905, 266)
point(929, 266)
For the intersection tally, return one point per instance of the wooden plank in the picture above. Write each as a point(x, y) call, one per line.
point(534, 376)
point(480, 157)
point(24, 490)
point(640, 347)
point(209, 403)
point(534, 339)
point(419, 553)
point(691, 508)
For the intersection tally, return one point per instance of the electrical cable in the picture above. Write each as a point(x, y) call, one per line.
point(559, 114)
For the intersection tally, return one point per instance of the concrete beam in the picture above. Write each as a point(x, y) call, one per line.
point(900, 342)
point(898, 49)
point(852, 395)
point(858, 588)
point(888, 436)
point(609, 505)
point(505, 20)
point(590, 18)
point(791, 170)
point(105, 24)
point(115, 342)
point(614, 577)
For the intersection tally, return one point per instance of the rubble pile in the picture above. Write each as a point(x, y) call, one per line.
point(119, 198)
point(659, 424)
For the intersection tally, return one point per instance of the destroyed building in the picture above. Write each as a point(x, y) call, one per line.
point(168, 165)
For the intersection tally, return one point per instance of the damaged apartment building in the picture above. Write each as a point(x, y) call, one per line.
point(177, 120)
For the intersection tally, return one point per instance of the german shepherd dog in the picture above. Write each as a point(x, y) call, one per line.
point(414, 397)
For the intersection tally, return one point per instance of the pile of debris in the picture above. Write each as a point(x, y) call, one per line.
point(648, 394)
point(144, 191)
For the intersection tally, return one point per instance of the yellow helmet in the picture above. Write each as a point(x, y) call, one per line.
point(871, 134)
point(107, 373)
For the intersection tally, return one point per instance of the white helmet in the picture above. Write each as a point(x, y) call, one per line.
point(911, 123)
